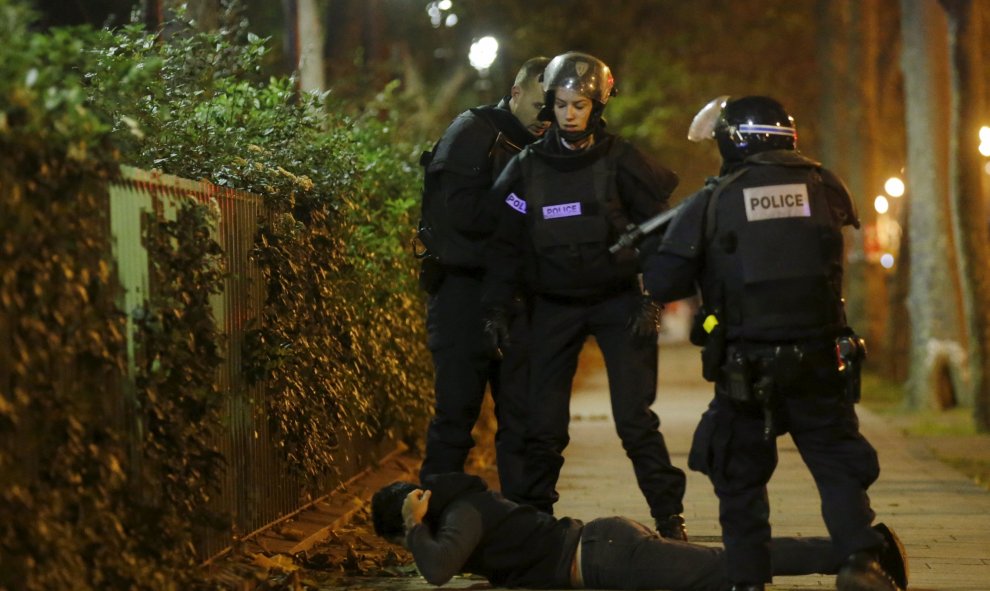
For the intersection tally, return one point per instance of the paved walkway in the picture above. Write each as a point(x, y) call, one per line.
point(942, 517)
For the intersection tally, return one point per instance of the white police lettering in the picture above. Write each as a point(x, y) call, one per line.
point(516, 203)
point(561, 210)
point(777, 201)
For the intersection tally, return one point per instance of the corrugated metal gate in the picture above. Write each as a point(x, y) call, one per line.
point(257, 488)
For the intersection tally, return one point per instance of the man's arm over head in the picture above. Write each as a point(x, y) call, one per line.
point(439, 557)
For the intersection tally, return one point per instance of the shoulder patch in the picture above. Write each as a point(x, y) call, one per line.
point(517, 203)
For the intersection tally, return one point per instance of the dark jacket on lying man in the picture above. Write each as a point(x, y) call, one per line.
point(469, 528)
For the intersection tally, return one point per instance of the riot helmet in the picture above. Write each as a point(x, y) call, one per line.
point(584, 74)
point(744, 126)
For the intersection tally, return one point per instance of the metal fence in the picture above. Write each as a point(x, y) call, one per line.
point(257, 488)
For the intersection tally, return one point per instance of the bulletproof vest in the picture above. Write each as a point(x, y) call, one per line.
point(473, 146)
point(573, 218)
point(773, 262)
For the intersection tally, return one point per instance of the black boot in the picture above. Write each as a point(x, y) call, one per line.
point(862, 572)
point(672, 527)
point(892, 557)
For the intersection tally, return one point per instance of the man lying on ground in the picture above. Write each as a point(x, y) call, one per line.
point(456, 524)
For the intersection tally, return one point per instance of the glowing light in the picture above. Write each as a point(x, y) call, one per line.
point(435, 15)
point(985, 141)
point(445, 4)
point(887, 260)
point(451, 20)
point(881, 204)
point(483, 52)
point(894, 187)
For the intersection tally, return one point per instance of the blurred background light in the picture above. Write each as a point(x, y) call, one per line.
point(894, 187)
point(483, 53)
point(881, 204)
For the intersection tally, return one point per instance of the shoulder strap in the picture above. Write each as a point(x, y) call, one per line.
point(720, 185)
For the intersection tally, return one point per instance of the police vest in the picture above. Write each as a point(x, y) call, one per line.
point(573, 217)
point(773, 262)
point(473, 146)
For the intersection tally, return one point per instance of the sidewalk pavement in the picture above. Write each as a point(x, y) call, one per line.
point(942, 517)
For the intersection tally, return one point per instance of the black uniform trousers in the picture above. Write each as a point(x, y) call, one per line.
point(617, 553)
point(730, 447)
point(462, 370)
point(558, 332)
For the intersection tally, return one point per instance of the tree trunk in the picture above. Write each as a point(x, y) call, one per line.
point(968, 208)
point(154, 15)
point(875, 309)
point(310, 46)
point(937, 359)
point(290, 44)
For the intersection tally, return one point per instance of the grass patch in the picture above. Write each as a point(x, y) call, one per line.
point(951, 434)
point(882, 395)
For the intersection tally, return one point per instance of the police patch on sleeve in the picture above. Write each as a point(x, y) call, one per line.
point(777, 201)
point(516, 203)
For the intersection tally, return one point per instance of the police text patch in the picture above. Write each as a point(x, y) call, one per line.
point(777, 201)
point(561, 210)
point(516, 203)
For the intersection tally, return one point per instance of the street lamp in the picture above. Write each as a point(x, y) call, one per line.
point(483, 53)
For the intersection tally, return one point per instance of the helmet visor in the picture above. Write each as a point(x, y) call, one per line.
point(703, 125)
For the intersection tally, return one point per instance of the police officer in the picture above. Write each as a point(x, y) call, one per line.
point(566, 198)
point(763, 240)
point(455, 225)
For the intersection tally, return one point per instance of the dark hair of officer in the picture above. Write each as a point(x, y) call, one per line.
point(386, 509)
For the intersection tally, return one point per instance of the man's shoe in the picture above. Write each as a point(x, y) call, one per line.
point(672, 527)
point(747, 587)
point(892, 557)
point(862, 572)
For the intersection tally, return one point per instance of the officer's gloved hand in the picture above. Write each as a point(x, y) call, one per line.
point(645, 322)
point(495, 328)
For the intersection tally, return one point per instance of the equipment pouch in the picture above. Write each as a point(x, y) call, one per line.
point(788, 365)
point(713, 354)
point(851, 351)
point(739, 378)
point(698, 335)
point(431, 275)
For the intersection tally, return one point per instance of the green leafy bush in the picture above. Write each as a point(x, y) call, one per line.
point(339, 343)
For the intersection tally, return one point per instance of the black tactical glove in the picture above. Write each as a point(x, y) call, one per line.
point(645, 322)
point(495, 328)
